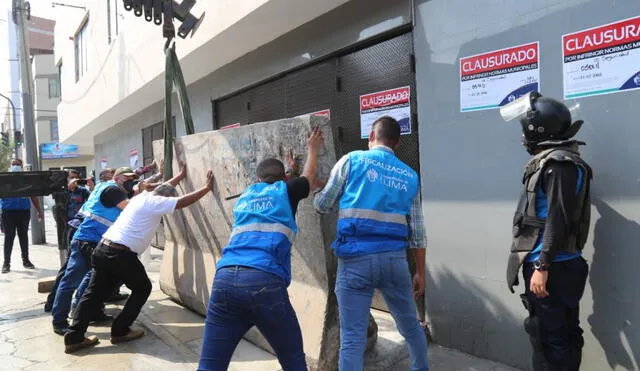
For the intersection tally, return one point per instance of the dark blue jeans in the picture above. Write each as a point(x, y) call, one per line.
point(241, 298)
point(77, 268)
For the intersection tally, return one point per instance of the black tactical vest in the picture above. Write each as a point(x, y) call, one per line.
point(527, 226)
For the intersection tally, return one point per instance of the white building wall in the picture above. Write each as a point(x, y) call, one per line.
point(44, 69)
point(316, 39)
point(45, 110)
point(125, 77)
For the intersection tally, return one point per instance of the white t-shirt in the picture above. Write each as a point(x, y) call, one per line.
point(137, 223)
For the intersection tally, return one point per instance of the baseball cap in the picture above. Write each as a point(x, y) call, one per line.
point(126, 171)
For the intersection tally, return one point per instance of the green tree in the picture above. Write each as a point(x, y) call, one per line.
point(6, 153)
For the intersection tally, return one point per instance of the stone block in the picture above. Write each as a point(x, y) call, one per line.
point(45, 285)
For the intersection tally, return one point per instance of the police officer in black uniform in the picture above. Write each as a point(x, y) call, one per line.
point(67, 205)
point(550, 228)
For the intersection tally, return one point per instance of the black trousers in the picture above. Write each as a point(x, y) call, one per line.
point(554, 323)
point(16, 221)
point(110, 268)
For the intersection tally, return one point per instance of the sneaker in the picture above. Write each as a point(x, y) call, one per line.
point(6, 268)
point(61, 328)
point(27, 264)
point(85, 343)
point(132, 335)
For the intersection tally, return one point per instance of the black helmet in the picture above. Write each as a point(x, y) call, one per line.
point(547, 120)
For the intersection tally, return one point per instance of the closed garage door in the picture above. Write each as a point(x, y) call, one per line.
point(337, 84)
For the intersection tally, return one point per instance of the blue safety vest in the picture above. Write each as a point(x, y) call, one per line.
point(97, 217)
point(375, 204)
point(263, 231)
point(15, 203)
point(542, 211)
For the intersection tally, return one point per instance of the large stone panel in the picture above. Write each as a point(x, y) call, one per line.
point(195, 236)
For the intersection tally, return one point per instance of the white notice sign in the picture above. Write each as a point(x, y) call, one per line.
point(602, 60)
point(394, 102)
point(493, 79)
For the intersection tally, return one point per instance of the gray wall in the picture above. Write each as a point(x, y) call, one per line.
point(471, 167)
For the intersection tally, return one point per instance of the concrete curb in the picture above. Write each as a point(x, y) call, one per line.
point(167, 337)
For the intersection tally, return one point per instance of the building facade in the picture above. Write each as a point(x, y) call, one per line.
point(46, 97)
point(53, 154)
point(269, 59)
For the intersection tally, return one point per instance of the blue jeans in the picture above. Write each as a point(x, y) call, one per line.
point(81, 288)
point(357, 278)
point(241, 298)
point(77, 268)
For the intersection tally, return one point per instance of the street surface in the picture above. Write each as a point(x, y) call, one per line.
point(173, 333)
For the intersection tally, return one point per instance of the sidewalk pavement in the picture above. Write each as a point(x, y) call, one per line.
point(174, 333)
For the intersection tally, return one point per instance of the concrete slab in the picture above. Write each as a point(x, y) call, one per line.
point(175, 325)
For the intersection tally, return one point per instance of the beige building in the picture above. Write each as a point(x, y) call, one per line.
point(53, 154)
point(46, 85)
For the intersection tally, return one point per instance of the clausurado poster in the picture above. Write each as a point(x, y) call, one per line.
point(602, 60)
point(393, 102)
point(493, 79)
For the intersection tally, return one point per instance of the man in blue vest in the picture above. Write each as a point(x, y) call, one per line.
point(250, 286)
point(100, 211)
point(380, 216)
point(15, 220)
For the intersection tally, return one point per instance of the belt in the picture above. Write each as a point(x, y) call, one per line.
point(114, 245)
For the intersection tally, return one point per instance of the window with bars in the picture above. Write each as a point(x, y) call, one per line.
point(54, 87)
point(149, 134)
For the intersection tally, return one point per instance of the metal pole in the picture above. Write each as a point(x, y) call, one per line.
point(15, 123)
point(26, 80)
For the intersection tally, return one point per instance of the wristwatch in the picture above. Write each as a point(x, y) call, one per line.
point(539, 266)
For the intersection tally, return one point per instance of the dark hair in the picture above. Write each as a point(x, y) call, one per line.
point(270, 170)
point(72, 171)
point(19, 160)
point(387, 130)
